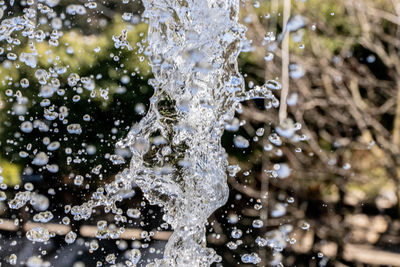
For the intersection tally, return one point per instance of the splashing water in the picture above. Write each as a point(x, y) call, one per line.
point(178, 160)
point(177, 157)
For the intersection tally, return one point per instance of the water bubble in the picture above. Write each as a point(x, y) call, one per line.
point(241, 142)
point(269, 37)
point(12, 259)
point(371, 59)
point(257, 206)
point(292, 99)
point(43, 217)
point(283, 170)
point(53, 168)
point(286, 130)
point(232, 245)
point(260, 132)
point(47, 91)
point(76, 98)
point(296, 71)
point(140, 108)
point(236, 233)
point(269, 57)
point(258, 223)
point(274, 85)
point(91, 149)
point(133, 213)
point(91, 5)
point(110, 258)
point(28, 186)
point(45, 103)
point(66, 220)
point(305, 226)
point(29, 59)
point(24, 83)
point(74, 128)
point(347, 166)
point(39, 202)
point(261, 242)
point(278, 210)
point(233, 218)
point(73, 79)
point(53, 146)
point(40, 159)
point(295, 23)
point(86, 117)
point(50, 115)
point(134, 256)
point(26, 127)
point(70, 237)
point(9, 92)
point(96, 170)
point(117, 159)
point(94, 245)
point(274, 139)
point(233, 170)
point(12, 56)
point(102, 225)
point(3, 196)
point(251, 258)
point(233, 126)
point(38, 234)
point(127, 16)
point(75, 10)
point(78, 180)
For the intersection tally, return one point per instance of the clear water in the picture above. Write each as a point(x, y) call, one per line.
point(177, 157)
point(178, 160)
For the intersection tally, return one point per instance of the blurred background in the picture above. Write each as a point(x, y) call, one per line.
point(326, 195)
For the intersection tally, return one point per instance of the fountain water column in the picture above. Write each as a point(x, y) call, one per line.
point(178, 160)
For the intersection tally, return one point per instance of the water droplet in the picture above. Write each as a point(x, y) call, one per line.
point(305, 226)
point(236, 233)
point(43, 217)
point(269, 57)
point(232, 245)
point(134, 256)
point(78, 180)
point(40, 159)
point(258, 224)
point(251, 258)
point(273, 85)
point(74, 128)
point(13, 259)
point(133, 213)
point(241, 142)
point(24, 83)
point(26, 127)
point(38, 234)
point(70, 237)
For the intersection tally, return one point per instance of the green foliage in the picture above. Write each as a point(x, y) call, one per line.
point(10, 173)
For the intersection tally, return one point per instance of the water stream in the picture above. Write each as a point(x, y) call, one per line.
point(177, 157)
point(178, 160)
